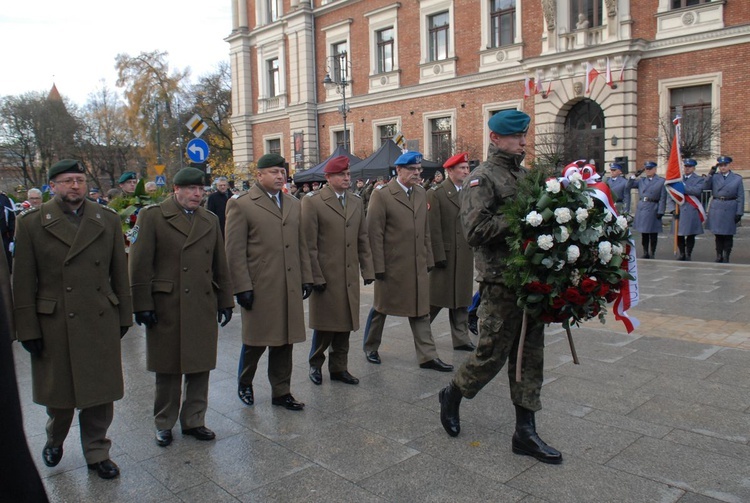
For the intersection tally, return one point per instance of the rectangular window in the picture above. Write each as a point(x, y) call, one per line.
point(439, 26)
point(274, 78)
point(585, 14)
point(387, 132)
point(502, 22)
point(340, 63)
point(442, 140)
point(679, 4)
point(341, 139)
point(385, 50)
point(274, 10)
point(694, 105)
point(273, 146)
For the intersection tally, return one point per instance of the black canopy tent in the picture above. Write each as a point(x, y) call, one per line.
point(380, 163)
point(315, 174)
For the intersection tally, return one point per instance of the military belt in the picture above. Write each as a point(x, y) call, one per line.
point(726, 198)
point(649, 200)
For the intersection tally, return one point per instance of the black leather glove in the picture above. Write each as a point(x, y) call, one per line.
point(307, 289)
point(441, 264)
point(659, 215)
point(639, 172)
point(380, 276)
point(245, 299)
point(225, 313)
point(123, 331)
point(712, 171)
point(320, 288)
point(369, 281)
point(737, 218)
point(147, 318)
point(33, 346)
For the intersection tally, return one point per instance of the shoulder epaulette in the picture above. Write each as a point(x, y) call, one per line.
point(237, 196)
point(356, 195)
point(310, 194)
point(380, 187)
point(435, 187)
point(28, 211)
point(109, 209)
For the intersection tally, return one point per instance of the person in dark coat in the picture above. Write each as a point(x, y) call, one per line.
point(217, 202)
point(689, 217)
point(7, 226)
point(652, 202)
point(726, 207)
point(618, 187)
point(72, 306)
point(181, 287)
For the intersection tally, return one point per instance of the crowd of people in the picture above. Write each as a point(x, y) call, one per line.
point(192, 257)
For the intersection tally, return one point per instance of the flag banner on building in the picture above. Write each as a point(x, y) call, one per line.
point(674, 184)
point(608, 75)
point(539, 83)
point(591, 75)
point(622, 70)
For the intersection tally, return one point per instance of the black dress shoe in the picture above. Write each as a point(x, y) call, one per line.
point(246, 394)
point(436, 364)
point(163, 437)
point(345, 377)
point(288, 402)
point(52, 455)
point(372, 357)
point(106, 469)
point(450, 400)
point(469, 346)
point(200, 433)
point(315, 376)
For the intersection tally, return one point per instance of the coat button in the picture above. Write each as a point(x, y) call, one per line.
point(287, 246)
point(184, 268)
point(98, 288)
point(69, 289)
point(96, 262)
point(187, 290)
point(71, 315)
point(67, 263)
point(288, 268)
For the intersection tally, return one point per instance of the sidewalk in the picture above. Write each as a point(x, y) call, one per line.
point(659, 415)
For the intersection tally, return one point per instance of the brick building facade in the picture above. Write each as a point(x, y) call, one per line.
point(436, 70)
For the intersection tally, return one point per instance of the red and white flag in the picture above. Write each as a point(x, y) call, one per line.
point(610, 83)
point(591, 75)
point(539, 87)
point(622, 70)
point(527, 87)
point(549, 87)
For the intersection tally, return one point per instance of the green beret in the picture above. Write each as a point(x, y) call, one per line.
point(65, 166)
point(271, 161)
point(509, 122)
point(189, 176)
point(128, 175)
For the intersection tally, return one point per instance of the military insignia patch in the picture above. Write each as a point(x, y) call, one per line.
point(474, 183)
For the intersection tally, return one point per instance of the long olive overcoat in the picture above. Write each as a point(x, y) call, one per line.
point(339, 250)
point(71, 290)
point(400, 241)
point(452, 286)
point(178, 269)
point(267, 254)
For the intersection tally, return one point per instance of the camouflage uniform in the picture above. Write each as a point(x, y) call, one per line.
point(486, 189)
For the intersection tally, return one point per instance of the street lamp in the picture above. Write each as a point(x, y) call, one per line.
point(340, 82)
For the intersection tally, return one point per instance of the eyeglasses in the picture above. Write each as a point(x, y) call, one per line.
point(412, 168)
point(71, 181)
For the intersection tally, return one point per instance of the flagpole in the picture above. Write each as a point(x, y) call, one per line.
point(676, 220)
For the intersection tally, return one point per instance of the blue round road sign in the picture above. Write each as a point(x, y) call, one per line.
point(197, 150)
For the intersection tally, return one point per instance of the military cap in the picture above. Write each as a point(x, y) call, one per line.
point(614, 165)
point(690, 162)
point(509, 122)
point(189, 176)
point(271, 161)
point(408, 158)
point(94, 190)
point(649, 164)
point(337, 165)
point(65, 166)
point(723, 159)
point(456, 159)
point(128, 175)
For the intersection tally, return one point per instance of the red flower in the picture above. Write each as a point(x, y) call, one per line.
point(538, 287)
point(573, 296)
point(603, 289)
point(525, 244)
point(558, 303)
point(611, 295)
point(548, 317)
point(588, 285)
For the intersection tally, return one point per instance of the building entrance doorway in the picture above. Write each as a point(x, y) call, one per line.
point(584, 132)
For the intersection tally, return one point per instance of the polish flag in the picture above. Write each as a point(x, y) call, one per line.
point(591, 75)
point(622, 70)
point(539, 82)
point(610, 83)
point(527, 87)
point(549, 88)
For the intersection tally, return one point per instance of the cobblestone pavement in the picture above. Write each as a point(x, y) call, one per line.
point(659, 415)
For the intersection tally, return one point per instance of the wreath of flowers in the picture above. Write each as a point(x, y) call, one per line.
point(129, 206)
point(567, 247)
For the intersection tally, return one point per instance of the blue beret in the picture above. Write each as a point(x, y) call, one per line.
point(690, 162)
point(271, 161)
point(128, 175)
point(614, 165)
point(408, 158)
point(65, 166)
point(189, 176)
point(509, 122)
point(724, 159)
point(649, 164)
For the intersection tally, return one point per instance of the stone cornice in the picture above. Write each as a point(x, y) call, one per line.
point(699, 41)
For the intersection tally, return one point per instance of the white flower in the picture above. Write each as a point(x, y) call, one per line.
point(534, 219)
point(582, 214)
point(564, 234)
point(605, 252)
point(622, 222)
point(589, 202)
point(563, 215)
point(560, 264)
point(607, 216)
point(577, 180)
point(545, 241)
point(617, 249)
point(599, 231)
point(553, 186)
point(573, 252)
point(575, 277)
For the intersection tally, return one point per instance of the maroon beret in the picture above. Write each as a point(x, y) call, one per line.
point(456, 159)
point(337, 165)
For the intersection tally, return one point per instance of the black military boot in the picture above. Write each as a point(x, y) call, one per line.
point(689, 251)
point(725, 255)
point(719, 252)
point(450, 399)
point(645, 252)
point(527, 442)
point(653, 248)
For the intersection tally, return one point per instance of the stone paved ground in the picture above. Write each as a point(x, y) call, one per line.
point(659, 415)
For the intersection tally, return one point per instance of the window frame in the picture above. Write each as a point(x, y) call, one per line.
point(434, 34)
point(495, 24)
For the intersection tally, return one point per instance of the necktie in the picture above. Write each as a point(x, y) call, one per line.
point(408, 194)
point(341, 200)
point(277, 200)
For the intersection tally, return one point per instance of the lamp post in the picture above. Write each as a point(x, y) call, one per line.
point(340, 82)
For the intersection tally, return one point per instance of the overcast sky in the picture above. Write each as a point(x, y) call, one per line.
point(74, 43)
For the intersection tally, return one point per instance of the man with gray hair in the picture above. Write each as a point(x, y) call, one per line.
point(217, 202)
point(34, 197)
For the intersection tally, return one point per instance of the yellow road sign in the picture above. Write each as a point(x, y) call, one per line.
point(159, 168)
point(196, 125)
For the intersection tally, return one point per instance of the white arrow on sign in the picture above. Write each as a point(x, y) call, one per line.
point(195, 149)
